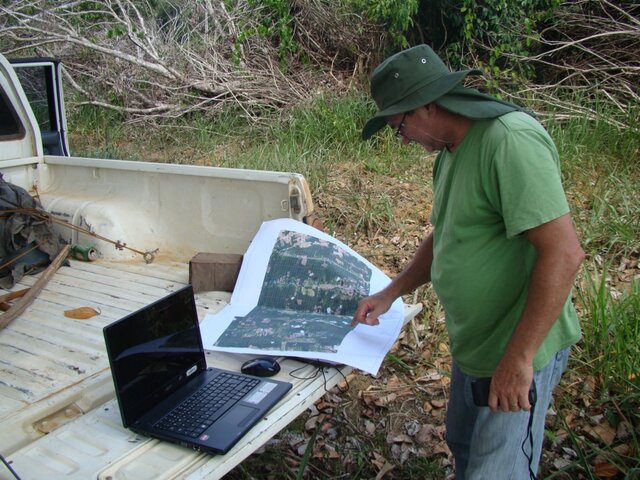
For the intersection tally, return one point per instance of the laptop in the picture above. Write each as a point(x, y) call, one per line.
point(164, 388)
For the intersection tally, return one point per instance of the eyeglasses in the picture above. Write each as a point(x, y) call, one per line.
point(401, 126)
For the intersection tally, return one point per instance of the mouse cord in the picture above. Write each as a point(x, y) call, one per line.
point(313, 374)
point(340, 389)
point(320, 369)
point(529, 437)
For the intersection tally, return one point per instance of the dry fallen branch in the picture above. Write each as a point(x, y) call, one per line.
point(150, 61)
point(588, 52)
point(26, 300)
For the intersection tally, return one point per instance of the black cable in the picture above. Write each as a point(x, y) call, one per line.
point(346, 389)
point(9, 467)
point(532, 400)
point(320, 368)
point(313, 375)
point(530, 438)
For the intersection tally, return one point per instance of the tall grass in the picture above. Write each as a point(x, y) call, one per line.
point(309, 138)
point(602, 166)
point(612, 328)
point(610, 354)
point(602, 172)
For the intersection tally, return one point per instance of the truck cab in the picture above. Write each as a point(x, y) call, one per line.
point(41, 80)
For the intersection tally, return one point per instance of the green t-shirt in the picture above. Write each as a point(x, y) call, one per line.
point(503, 179)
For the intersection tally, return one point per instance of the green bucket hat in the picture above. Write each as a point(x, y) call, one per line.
point(408, 80)
point(416, 77)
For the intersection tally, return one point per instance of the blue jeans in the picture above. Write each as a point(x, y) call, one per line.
point(488, 445)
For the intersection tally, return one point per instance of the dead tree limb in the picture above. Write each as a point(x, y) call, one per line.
point(147, 59)
point(26, 300)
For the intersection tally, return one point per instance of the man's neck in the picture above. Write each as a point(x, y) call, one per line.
point(460, 126)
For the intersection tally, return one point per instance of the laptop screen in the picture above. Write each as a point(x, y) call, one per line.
point(153, 351)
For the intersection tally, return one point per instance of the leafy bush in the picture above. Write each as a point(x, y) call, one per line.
point(489, 31)
point(397, 16)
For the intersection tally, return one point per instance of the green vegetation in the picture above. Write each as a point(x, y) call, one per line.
point(613, 327)
point(396, 15)
point(276, 25)
point(311, 138)
point(601, 171)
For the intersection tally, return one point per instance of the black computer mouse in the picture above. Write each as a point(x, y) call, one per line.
point(260, 367)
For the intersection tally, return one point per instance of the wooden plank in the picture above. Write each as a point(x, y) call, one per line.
point(86, 335)
point(7, 297)
point(119, 287)
point(20, 306)
point(55, 302)
point(48, 358)
point(83, 293)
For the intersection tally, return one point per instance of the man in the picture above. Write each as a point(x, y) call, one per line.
point(502, 257)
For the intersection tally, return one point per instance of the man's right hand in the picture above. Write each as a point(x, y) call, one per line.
point(370, 308)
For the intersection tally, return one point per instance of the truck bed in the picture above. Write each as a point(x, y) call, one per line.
point(58, 415)
point(54, 368)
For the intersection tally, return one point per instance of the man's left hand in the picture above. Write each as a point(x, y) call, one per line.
point(510, 386)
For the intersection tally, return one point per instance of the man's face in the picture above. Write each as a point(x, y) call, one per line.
point(420, 126)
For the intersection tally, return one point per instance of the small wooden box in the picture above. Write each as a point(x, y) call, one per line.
point(214, 271)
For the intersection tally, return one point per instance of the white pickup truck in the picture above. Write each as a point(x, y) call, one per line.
point(58, 415)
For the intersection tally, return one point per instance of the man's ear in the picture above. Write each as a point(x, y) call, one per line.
point(425, 110)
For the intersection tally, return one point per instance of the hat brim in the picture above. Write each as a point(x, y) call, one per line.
point(422, 96)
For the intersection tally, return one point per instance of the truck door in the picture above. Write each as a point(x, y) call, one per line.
point(41, 80)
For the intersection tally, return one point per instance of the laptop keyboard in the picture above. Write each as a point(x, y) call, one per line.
point(196, 413)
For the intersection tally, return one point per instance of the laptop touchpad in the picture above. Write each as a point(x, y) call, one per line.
point(240, 415)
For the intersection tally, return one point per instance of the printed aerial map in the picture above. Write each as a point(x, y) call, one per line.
point(310, 292)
